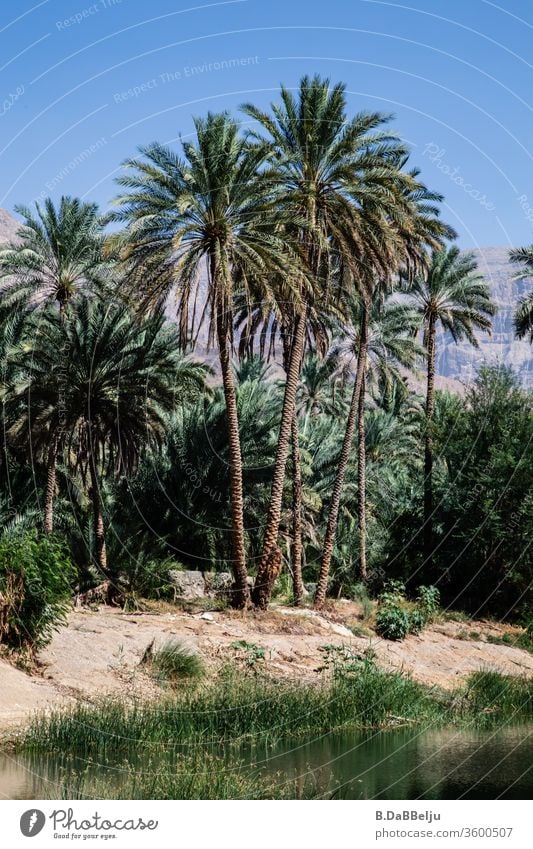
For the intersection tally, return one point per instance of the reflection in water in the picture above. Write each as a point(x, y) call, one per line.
point(402, 764)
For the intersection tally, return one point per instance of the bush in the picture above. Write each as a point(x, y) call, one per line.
point(396, 617)
point(174, 662)
point(428, 601)
point(392, 622)
point(36, 577)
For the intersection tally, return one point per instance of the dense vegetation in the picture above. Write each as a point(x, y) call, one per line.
point(315, 258)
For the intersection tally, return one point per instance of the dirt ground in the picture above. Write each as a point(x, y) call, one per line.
point(100, 652)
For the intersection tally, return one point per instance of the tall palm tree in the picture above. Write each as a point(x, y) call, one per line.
point(416, 230)
point(523, 317)
point(59, 253)
point(205, 211)
point(335, 176)
point(454, 297)
point(390, 328)
point(119, 378)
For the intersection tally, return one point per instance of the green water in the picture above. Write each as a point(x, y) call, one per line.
point(402, 764)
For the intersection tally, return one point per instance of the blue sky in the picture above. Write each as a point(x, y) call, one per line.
point(84, 83)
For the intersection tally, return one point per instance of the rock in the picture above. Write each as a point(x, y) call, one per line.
point(187, 584)
point(208, 617)
point(219, 584)
point(311, 588)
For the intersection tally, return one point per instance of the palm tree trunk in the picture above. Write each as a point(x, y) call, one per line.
point(266, 573)
point(241, 593)
point(428, 448)
point(49, 493)
point(361, 481)
point(297, 583)
point(329, 539)
point(99, 529)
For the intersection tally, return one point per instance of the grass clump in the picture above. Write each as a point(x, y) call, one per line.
point(492, 694)
point(175, 662)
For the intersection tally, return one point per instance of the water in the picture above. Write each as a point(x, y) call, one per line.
point(402, 764)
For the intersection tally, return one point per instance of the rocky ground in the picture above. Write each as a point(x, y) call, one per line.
point(100, 651)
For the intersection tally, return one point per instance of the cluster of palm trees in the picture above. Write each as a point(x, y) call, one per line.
point(321, 247)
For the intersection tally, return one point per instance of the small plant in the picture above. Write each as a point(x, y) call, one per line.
point(175, 662)
point(392, 618)
point(427, 602)
point(392, 622)
point(343, 661)
point(252, 653)
point(417, 620)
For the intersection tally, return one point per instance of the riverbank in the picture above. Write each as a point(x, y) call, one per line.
point(207, 739)
point(100, 652)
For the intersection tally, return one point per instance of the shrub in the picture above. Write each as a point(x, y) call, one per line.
point(174, 662)
point(428, 601)
point(36, 577)
point(417, 621)
point(392, 622)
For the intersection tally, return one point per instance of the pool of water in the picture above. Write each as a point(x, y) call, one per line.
point(402, 764)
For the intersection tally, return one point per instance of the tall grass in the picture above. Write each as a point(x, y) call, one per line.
point(193, 776)
point(239, 709)
point(490, 694)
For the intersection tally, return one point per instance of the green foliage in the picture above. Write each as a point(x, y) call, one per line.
point(192, 775)
point(238, 708)
point(396, 617)
point(427, 600)
point(175, 662)
point(392, 622)
point(491, 693)
point(36, 582)
point(251, 652)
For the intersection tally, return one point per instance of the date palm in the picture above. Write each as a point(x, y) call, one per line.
point(416, 230)
point(119, 378)
point(59, 252)
point(390, 328)
point(204, 212)
point(452, 296)
point(338, 177)
point(523, 317)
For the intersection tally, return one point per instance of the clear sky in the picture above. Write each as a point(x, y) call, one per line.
point(84, 83)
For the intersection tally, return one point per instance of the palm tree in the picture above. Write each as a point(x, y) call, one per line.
point(59, 253)
point(119, 378)
point(416, 230)
point(207, 210)
point(523, 317)
point(390, 329)
point(454, 296)
point(335, 176)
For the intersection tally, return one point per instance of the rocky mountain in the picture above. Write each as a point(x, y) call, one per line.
point(457, 364)
point(462, 361)
point(8, 227)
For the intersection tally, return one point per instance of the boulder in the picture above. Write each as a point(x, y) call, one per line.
point(188, 584)
point(218, 584)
